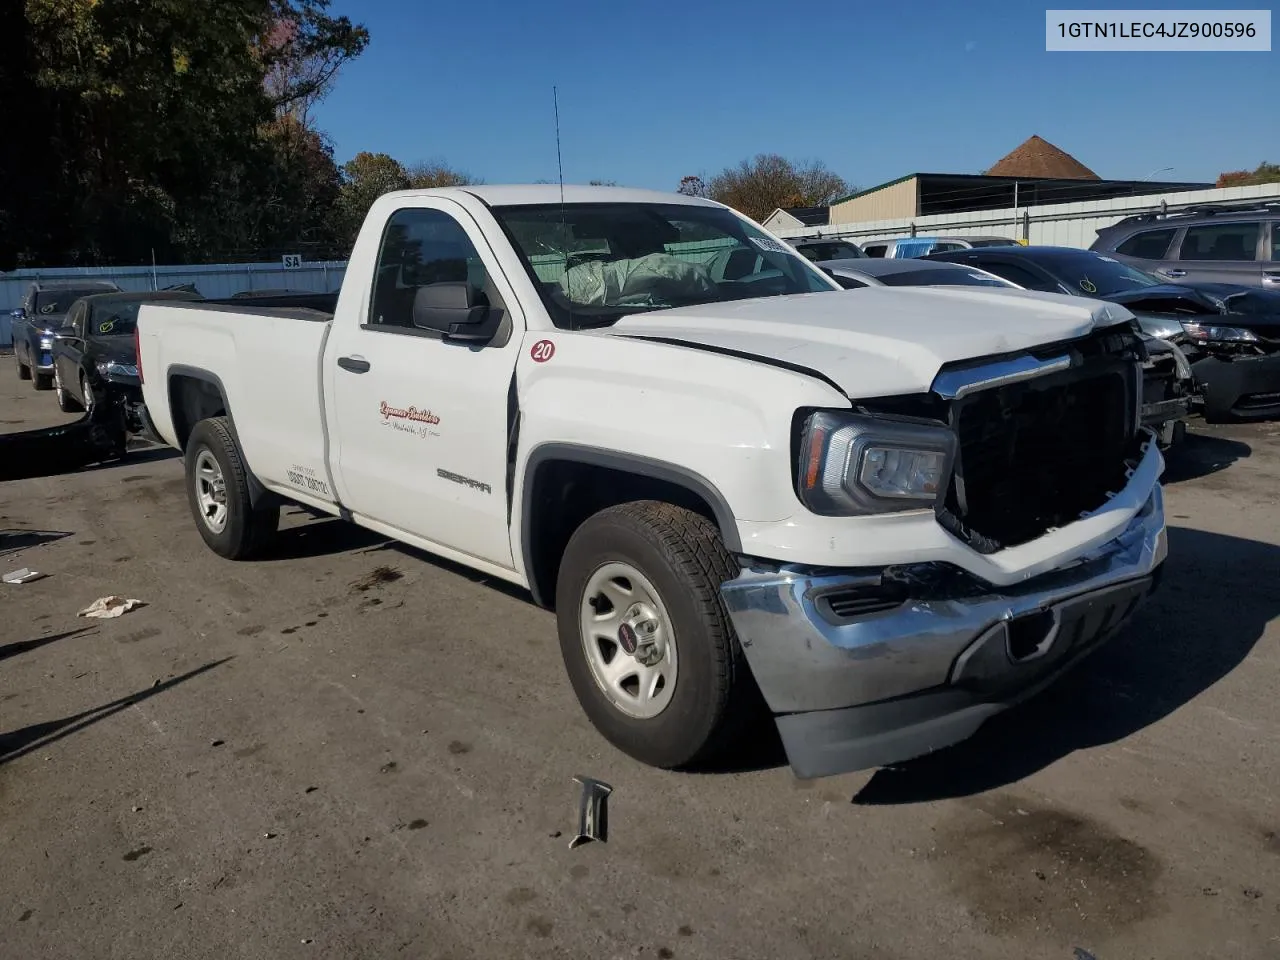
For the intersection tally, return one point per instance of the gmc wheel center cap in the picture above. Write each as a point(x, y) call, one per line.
point(627, 638)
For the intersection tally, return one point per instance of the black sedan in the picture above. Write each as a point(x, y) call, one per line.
point(95, 351)
point(1231, 334)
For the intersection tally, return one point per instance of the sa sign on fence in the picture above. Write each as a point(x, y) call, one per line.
point(291, 261)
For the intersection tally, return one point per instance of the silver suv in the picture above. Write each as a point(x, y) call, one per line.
point(1217, 243)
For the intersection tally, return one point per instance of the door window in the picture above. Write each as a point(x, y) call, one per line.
point(420, 247)
point(1221, 241)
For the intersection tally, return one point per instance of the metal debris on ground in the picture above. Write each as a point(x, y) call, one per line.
point(105, 608)
point(23, 575)
point(593, 812)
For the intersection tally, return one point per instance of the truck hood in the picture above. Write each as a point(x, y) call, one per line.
point(880, 341)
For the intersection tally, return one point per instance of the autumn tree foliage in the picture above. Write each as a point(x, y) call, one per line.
point(767, 181)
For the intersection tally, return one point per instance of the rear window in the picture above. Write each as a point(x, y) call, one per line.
point(834, 250)
point(874, 249)
point(1225, 241)
point(1148, 245)
point(938, 277)
point(60, 301)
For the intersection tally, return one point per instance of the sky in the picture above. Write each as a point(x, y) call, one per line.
point(655, 91)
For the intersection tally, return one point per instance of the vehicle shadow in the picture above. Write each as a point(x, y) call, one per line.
point(37, 736)
point(324, 537)
point(1200, 455)
point(1178, 646)
point(20, 647)
point(320, 538)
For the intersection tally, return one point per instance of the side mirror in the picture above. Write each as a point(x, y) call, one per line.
point(455, 309)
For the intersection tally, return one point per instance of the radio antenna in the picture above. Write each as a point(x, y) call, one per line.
point(564, 227)
point(555, 97)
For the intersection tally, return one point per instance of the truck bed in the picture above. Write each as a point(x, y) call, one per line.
point(253, 357)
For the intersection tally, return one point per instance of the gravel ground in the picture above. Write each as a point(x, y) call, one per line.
point(352, 750)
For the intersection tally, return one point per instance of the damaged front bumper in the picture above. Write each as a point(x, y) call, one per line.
point(852, 689)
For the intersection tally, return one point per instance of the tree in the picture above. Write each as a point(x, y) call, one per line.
point(436, 173)
point(602, 183)
point(302, 50)
point(365, 177)
point(1266, 173)
point(758, 186)
point(692, 187)
point(152, 125)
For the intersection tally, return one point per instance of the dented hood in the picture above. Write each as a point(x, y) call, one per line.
point(881, 341)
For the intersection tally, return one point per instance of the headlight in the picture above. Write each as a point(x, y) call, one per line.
point(1204, 332)
point(111, 368)
point(855, 464)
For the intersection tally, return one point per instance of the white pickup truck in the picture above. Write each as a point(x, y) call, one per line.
point(883, 516)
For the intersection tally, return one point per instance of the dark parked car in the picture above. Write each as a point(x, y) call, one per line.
point(1229, 333)
point(1168, 385)
point(818, 248)
point(43, 312)
point(1215, 243)
point(908, 272)
point(95, 352)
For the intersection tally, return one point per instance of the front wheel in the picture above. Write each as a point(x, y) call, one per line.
point(24, 372)
point(646, 640)
point(218, 492)
point(66, 402)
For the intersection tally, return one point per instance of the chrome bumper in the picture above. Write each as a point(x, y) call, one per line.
point(880, 688)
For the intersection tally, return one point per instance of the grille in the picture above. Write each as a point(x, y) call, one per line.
point(1036, 455)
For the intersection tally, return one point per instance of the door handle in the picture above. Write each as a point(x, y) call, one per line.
point(1175, 273)
point(354, 364)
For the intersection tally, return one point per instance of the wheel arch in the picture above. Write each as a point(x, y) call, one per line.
point(548, 517)
point(196, 394)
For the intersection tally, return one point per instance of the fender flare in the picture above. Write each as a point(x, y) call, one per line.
point(635, 464)
point(258, 494)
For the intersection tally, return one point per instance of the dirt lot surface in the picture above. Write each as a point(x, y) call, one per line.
point(350, 750)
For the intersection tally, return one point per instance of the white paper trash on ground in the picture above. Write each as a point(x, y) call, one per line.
point(23, 575)
point(104, 608)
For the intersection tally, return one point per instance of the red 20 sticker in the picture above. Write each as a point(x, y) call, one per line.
point(542, 351)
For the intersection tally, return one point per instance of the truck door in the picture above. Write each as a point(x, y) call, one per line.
point(419, 423)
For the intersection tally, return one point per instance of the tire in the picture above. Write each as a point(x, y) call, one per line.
point(713, 694)
point(243, 531)
point(86, 391)
point(66, 402)
point(24, 372)
point(42, 381)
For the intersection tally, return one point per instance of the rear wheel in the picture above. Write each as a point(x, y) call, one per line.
point(24, 372)
point(646, 640)
point(66, 402)
point(218, 492)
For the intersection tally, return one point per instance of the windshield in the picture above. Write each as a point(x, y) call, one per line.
point(937, 277)
point(836, 250)
point(595, 263)
point(60, 300)
point(1098, 276)
point(113, 319)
